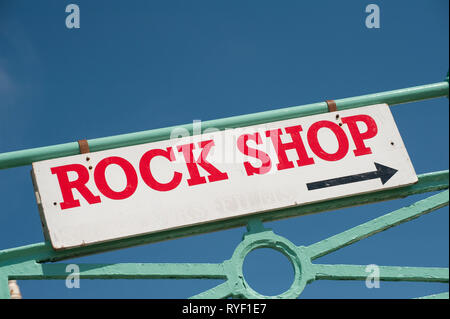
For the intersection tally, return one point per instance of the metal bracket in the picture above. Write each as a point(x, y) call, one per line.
point(84, 146)
point(332, 107)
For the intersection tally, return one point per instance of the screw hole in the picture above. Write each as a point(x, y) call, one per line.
point(90, 167)
point(54, 203)
point(87, 158)
point(340, 124)
point(392, 143)
point(337, 116)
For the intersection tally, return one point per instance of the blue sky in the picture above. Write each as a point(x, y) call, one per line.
point(137, 65)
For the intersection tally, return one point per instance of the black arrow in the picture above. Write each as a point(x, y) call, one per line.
point(384, 173)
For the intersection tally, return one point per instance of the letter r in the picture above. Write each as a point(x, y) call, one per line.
point(79, 184)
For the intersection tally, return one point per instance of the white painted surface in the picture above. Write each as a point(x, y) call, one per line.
point(148, 210)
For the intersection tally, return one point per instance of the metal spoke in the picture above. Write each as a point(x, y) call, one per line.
point(377, 225)
point(33, 270)
point(386, 273)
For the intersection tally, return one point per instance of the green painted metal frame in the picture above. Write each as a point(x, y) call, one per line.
point(34, 261)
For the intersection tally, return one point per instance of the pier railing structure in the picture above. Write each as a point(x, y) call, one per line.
point(38, 261)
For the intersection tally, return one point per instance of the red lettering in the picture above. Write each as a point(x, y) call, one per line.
point(102, 185)
point(192, 164)
point(297, 144)
point(359, 137)
point(262, 156)
point(79, 184)
point(147, 176)
point(318, 150)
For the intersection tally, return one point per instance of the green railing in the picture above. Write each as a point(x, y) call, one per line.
point(35, 261)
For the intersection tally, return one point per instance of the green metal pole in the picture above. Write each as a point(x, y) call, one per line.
point(387, 273)
point(31, 270)
point(28, 156)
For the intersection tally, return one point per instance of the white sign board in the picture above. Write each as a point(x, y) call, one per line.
point(124, 192)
